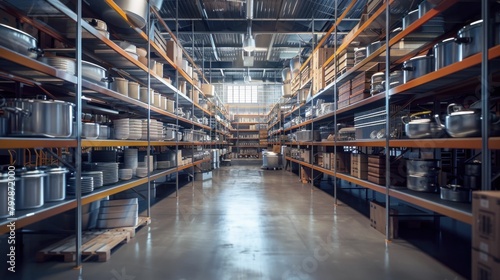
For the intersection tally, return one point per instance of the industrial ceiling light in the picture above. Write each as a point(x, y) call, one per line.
point(249, 41)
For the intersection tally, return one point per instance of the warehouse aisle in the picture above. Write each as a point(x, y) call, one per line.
point(248, 223)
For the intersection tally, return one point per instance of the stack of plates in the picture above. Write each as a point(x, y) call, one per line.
point(122, 129)
point(109, 171)
point(141, 172)
point(163, 164)
point(155, 130)
point(87, 185)
point(135, 129)
point(97, 175)
point(130, 159)
point(151, 162)
point(125, 174)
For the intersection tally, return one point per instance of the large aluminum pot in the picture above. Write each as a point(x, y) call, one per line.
point(417, 67)
point(421, 127)
point(7, 180)
point(286, 90)
point(54, 184)
point(446, 53)
point(29, 189)
point(37, 117)
point(410, 18)
point(455, 193)
point(373, 47)
point(156, 4)
point(19, 41)
point(94, 73)
point(466, 123)
point(469, 38)
point(424, 167)
point(136, 10)
point(422, 183)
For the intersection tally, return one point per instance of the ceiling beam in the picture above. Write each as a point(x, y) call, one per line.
point(261, 19)
point(270, 48)
point(253, 32)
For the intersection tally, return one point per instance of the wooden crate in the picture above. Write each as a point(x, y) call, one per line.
point(318, 81)
point(377, 219)
point(357, 98)
point(345, 88)
point(359, 166)
point(344, 97)
point(343, 162)
point(94, 243)
point(321, 56)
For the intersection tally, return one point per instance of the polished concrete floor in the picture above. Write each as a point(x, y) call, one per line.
point(248, 223)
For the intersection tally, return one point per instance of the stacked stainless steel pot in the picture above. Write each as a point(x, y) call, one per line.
point(54, 184)
point(472, 175)
point(422, 175)
point(417, 67)
point(39, 117)
point(19, 41)
point(29, 189)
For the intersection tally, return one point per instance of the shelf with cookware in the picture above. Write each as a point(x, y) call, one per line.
point(26, 217)
point(60, 84)
point(422, 108)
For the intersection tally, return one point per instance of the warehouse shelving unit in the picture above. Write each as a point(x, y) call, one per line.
point(21, 69)
point(436, 85)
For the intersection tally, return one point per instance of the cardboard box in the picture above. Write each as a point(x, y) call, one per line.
point(343, 162)
point(486, 222)
point(377, 219)
point(484, 266)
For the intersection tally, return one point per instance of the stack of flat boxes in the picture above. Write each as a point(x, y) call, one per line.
point(345, 62)
point(305, 75)
point(343, 161)
point(344, 93)
point(486, 235)
point(359, 166)
point(360, 87)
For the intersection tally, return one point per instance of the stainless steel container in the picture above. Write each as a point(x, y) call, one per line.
point(90, 130)
point(29, 189)
point(446, 53)
point(410, 18)
point(19, 41)
point(54, 184)
point(422, 183)
point(94, 73)
point(37, 117)
point(120, 85)
point(373, 47)
point(423, 167)
point(455, 193)
point(470, 39)
point(417, 67)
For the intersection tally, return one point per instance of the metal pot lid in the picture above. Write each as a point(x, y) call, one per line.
point(418, 121)
point(93, 65)
point(18, 31)
point(55, 170)
point(452, 39)
point(4, 178)
point(378, 74)
point(421, 57)
point(465, 112)
point(31, 173)
point(376, 42)
point(50, 101)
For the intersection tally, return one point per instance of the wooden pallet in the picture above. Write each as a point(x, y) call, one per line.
point(142, 221)
point(94, 243)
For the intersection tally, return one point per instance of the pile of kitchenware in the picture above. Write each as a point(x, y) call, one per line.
point(87, 185)
point(118, 213)
point(109, 171)
point(39, 117)
point(431, 29)
point(130, 159)
point(421, 125)
point(461, 122)
point(122, 129)
point(125, 173)
point(19, 41)
point(155, 130)
point(378, 81)
point(97, 177)
point(327, 133)
point(98, 24)
point(135, 129)
point(308, 135)
point(422, 174)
